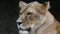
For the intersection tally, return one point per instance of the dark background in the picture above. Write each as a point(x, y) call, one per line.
point(9, 13)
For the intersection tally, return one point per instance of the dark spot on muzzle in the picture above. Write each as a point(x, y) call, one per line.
point(27, 29)
point(19, 23)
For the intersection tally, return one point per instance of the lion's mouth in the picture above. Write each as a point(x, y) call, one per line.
point(27, 29)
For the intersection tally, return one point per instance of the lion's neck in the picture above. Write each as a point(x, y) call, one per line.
point(46, 23)
point(49, 24)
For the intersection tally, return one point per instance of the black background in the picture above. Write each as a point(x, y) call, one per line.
point(9, 13)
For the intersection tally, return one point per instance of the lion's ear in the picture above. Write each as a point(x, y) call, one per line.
point(47, 5)
point(42, 8)
point(22, 4)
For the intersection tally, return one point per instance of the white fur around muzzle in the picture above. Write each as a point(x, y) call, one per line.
point(23, 32)
point(19, 26)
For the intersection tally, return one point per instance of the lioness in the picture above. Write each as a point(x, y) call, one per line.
point(35, 18)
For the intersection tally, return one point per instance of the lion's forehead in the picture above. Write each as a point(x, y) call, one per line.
point(30, 6)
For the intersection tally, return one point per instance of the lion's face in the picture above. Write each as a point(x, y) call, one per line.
point(32, 13)
point(29, 16)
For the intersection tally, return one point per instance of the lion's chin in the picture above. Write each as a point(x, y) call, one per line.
point(23, 32)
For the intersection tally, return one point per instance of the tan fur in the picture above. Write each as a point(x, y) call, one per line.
point(40, 20)
point(22, 4)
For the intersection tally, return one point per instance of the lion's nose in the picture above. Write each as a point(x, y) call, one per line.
point(20, 23)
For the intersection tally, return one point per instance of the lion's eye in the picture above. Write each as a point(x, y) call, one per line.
point(29, 13)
